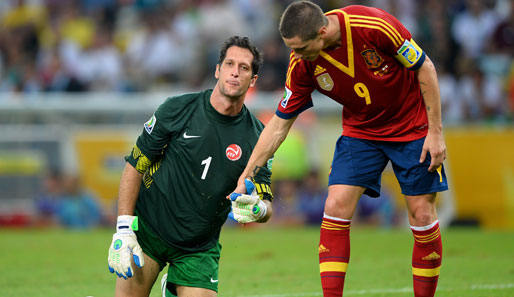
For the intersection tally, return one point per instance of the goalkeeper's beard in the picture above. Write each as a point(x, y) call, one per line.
point(234, 95)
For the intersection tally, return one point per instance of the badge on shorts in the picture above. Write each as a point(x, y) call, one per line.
point(325, 82)
point(372, 58)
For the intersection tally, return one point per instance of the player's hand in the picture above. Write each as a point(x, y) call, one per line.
point(434, 144)
point(247, 208)
point(241, 187)
point(124, 246)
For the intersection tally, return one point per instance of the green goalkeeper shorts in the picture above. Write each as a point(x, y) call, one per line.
point(190, 269)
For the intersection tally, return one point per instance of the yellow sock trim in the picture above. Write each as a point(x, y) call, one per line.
point(426, 272)
point(333, 266)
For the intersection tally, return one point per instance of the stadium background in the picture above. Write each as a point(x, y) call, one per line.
point(78, 79)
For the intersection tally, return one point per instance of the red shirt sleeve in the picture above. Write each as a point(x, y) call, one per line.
point(298, 89)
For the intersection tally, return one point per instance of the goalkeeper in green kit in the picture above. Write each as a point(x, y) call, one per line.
point(172, 199)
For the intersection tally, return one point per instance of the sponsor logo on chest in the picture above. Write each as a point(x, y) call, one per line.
point(319, 70)
point(233, 152)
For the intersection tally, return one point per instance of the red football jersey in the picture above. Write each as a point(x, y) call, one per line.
point(371, 74)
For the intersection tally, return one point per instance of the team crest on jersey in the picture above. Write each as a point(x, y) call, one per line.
point(372, 58)
point(150, 124)
point(325, 82)
point(233, 152)
point(285, 98)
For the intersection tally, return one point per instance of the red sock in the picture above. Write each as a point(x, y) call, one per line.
point(426, 259)
point(334, 254)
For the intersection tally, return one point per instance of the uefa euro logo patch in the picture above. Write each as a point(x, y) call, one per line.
point(150, 124)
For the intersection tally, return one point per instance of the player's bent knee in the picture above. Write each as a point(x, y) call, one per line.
point(128, 288)
point(424, 218)
point(422, 215)
point(337, 208)
point(422, 210)
point(142, 281)
point(330, 204)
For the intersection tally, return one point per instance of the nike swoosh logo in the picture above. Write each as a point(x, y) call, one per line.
point(189, 136)
point(214, 280)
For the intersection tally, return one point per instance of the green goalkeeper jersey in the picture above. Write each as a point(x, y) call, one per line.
point(191, 157)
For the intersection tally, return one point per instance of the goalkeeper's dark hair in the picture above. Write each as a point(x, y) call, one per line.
point(302, 19)
point(242, 42)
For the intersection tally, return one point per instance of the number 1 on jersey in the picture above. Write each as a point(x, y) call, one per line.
point(362, 91)
point(207, 163)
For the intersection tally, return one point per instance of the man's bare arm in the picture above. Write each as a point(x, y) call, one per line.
point(434, 142)
point(129, 190)
point(269, 141)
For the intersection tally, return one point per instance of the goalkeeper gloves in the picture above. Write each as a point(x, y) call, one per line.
point(124, 245)
point(247, 208)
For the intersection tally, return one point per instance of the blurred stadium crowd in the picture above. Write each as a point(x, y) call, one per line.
point(131, 46)
point(145, 45)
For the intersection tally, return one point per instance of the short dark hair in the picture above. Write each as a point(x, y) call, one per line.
point(302, 19)
point(243, 42)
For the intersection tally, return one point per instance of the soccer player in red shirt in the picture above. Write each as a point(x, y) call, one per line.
point(365, 59)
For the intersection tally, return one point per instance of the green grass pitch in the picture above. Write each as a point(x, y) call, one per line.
point(264, 262)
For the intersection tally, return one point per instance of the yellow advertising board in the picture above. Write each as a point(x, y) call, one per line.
point(100, 157)
point(481, 168)
point(480, 171)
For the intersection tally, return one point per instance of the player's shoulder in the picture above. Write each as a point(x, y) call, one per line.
point(181, 106)
point(375, 24)
point(183, 103)
point(365, 11)
point(298, 68)
point(185, 99)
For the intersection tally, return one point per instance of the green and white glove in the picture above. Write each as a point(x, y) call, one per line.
point(124, 246)
point(247, 208)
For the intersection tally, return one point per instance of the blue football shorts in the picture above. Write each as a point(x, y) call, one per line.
point(360, 162)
